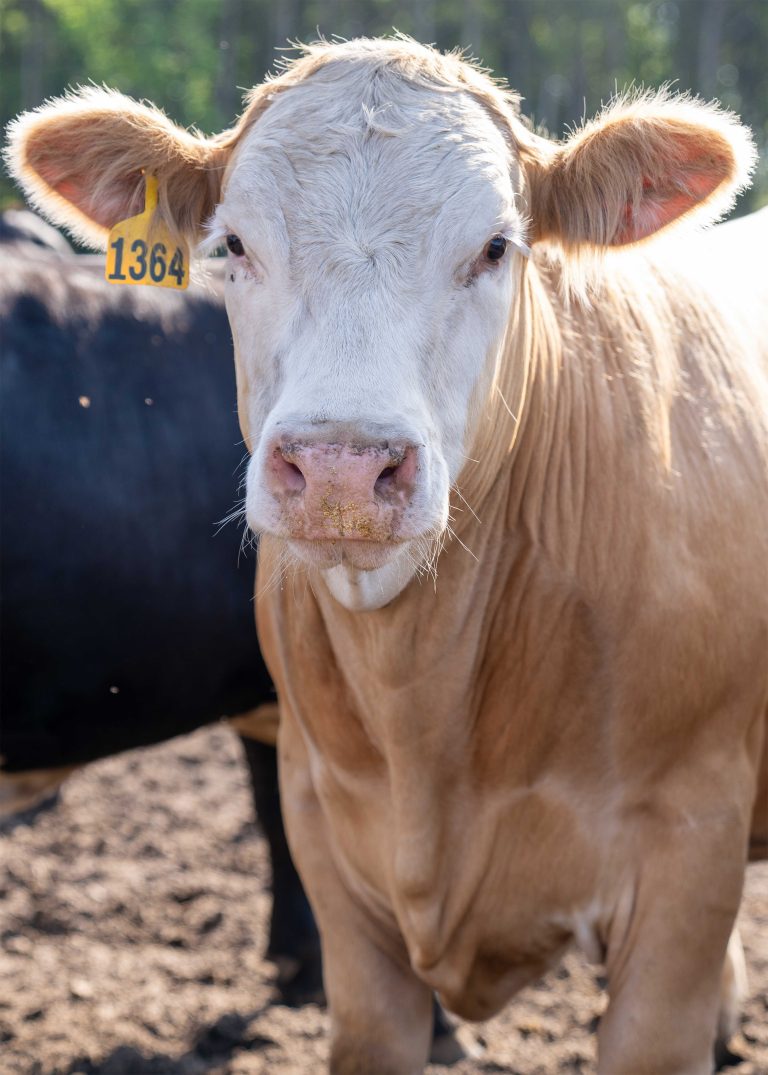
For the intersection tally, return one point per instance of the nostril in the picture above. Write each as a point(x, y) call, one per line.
point(289, 475)
point(296, 475)
point(386, 481)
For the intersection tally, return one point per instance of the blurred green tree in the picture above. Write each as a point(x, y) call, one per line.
point(195, 58)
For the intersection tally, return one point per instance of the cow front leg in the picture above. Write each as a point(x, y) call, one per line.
point(381, 1013)
point(294, 944)
point(666, 954)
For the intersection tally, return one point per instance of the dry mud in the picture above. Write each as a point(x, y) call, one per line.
point(133, 918)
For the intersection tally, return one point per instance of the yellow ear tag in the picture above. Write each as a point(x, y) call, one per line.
point(141, 251)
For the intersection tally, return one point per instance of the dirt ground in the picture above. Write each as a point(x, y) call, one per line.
point(133, 918)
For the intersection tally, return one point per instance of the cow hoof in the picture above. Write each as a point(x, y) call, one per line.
point(299, 982)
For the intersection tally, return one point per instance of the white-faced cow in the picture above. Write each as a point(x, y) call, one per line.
point(561, 737)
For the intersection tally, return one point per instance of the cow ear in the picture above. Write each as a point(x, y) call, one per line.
point(644, 163)
point(80, 160)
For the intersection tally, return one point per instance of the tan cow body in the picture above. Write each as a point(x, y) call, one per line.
point(560, 740)
point(555, 732)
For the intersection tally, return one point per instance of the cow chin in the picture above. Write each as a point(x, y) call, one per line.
point(357, 554)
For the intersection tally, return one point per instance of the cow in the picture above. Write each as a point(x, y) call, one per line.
point(507, 416)
point(125, 617)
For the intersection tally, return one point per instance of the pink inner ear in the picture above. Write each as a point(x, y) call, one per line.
point(126, 199)
point(74, 193)
point(691, 182)
point(105, 213)
point(72, 165)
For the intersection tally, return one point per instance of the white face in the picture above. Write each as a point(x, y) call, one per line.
point(368, 293)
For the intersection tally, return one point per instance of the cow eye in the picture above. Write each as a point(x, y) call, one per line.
point(494, 250)
point(235, 246)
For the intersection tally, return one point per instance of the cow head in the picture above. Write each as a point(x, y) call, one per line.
point(375, 200)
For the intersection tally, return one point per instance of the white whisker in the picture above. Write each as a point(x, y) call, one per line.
point(278, 575)
point(456, 537)
point(466, 502)
point(237, 513)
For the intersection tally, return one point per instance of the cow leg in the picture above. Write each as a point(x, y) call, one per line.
point(294, 944)
point(666, 952)
point(381, 1014)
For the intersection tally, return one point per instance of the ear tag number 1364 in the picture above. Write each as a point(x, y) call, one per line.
point(141, 251)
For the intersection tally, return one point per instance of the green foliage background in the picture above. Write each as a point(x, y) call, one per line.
point(194, 58)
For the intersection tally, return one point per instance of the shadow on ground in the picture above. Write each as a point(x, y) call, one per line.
point(213, 1045)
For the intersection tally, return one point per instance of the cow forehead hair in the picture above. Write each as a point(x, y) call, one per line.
point(326, 133)
point(416, 64)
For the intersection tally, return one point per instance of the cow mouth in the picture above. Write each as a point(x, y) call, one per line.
point(360, 554)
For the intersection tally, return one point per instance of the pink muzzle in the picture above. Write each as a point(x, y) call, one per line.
point(349, 491)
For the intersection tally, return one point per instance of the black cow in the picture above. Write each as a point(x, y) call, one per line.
point(125, 617)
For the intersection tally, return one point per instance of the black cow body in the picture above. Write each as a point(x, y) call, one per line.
point(126, 612)
point(125, 618)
